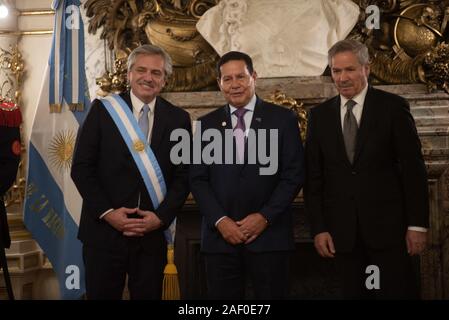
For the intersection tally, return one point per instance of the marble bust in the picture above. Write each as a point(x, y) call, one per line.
point(284, 37)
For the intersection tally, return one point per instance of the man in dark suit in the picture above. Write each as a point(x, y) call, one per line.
point(121, 230)
point(366, 182)
point(247, 229)
point(10, 119)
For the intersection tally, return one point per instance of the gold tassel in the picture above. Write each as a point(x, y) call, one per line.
point(170, 285)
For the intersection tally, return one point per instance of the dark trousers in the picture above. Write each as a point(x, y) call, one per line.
point(106, 273)
point(396, 274)
point(5, 242)
point(4, 267)
point(227, 274)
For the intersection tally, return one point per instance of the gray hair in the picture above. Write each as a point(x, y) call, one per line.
point(359, 49)
point(148, 49)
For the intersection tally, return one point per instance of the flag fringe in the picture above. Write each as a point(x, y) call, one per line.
point(55, 108)
point(76, 106)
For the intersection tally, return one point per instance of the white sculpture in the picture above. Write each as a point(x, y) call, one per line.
point(284, 37)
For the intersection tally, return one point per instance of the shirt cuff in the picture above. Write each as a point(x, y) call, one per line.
point(218, 221)
point(420, 229)
point(105, 213)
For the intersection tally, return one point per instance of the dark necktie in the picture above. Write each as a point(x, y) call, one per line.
point(350, 128)
point(239, 133)
point(143, 120)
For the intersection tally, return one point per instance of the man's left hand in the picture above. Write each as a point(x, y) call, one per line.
point(149, 222)
point(416, 242)
point(252, 226)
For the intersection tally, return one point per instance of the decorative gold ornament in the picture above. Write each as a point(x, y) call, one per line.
point(410, 46)
point(113, 82)
point(436, 62)
point(281, 99)
point(169, 24)
point(139, 145)
point(11, 62)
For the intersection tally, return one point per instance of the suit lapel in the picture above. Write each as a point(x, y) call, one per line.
point(258, 115)
point(127, 98)
point(365, 122)
point(159, 124)
point(226, 123)
point(256, 123)
point(225, 118)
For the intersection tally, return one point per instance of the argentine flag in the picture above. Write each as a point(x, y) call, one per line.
point(52, 202)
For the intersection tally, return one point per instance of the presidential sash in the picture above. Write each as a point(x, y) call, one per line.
point(137, 144)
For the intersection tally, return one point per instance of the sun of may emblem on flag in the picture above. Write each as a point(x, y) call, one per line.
point(61, 149)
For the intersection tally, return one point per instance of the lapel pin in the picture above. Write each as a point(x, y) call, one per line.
point(259, 119)
point(223, 124)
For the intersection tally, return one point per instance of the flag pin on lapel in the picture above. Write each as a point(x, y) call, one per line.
point(258, 119)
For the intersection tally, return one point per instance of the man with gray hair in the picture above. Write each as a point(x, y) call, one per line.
point(366, 183)
point(131, 190)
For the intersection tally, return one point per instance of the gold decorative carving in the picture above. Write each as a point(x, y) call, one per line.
point(11, 63)
point(115, 81)
point(436, 63)
point(408, 47)
point(281, 99)
point(169, 24)
point(36, 12)
point(26, 32)
point(411, 44)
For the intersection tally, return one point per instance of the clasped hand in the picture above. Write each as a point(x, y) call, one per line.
point(133, 227)
point(243, 231)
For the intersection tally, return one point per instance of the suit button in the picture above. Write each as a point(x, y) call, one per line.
point(354, 173)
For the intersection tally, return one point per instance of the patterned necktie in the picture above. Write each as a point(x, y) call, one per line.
point(350, 128)
point(143, 120)
point(239, 133)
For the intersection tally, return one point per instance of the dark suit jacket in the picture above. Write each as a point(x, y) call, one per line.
point(383, 192)
point(107, 177)
point(9, 162)
point(236, 190)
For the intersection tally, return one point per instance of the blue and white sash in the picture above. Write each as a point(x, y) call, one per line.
point(137, 144)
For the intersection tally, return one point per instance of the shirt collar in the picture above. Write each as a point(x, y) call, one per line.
point(250, 106)
point(138, 104)
point(359, 98)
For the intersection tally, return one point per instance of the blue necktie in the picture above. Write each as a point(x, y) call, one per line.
point(143, 120)
point(239, 133)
